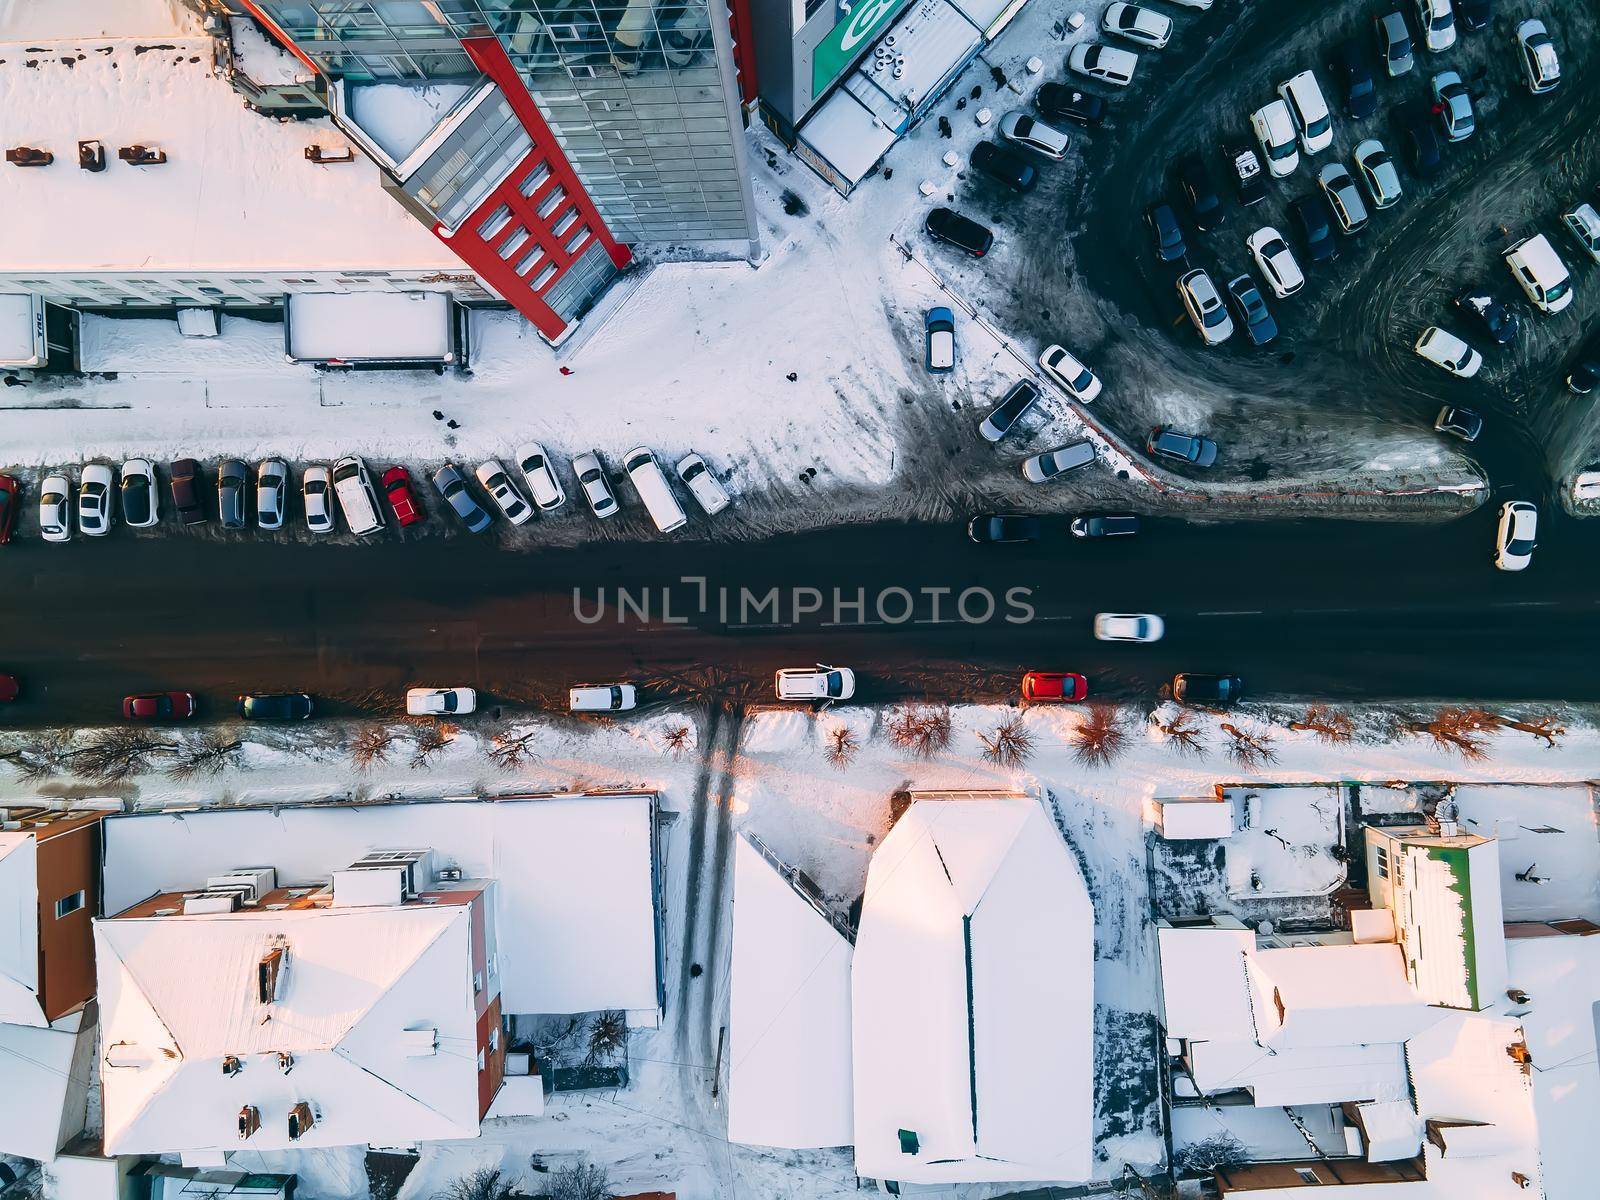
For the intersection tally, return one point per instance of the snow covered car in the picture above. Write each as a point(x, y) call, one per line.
point(540, 477)
point(1540, 66)
point(1516, 536)
point(1128, 627)
point(602, 697)
point(1377, 173)
point(1042, 139)
point(55, 509)
point(1583, 223)
point(316, 492)
point(1496, 320)
point(141, 498)
point(1446, 350)
point(272, 493)
point(1064, 369)
point(592, 478)
point(1108, 64)
point(1454, 106)
point(939, 338)
point(1247, 176)
point(503, 492)
point(1275, 131)
point(1142, 25)
point(94, 500)
point(1041, 468)
point(705, 487)
point(815, 683)
point(438, 702)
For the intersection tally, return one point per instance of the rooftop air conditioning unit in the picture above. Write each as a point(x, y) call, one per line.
point(257, 880)
point(201, 903)
point(417, 865)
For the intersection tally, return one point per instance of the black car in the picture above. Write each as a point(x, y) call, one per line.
point(1003, 529)
point(1110, 525)
point(1247, 174)
point(1165, 229)
point(1189, 688)
point(948, 226)
point(275, 706)
point(1252, 310)
point(1585, 373)
point(1064, 103)
point(1419, 132)
point(1352, 68)
point(1316, 227)
point(1474, 14)
point(1459, 422)
point(1205, 206)
point(1004, 167)
point(1498, 321)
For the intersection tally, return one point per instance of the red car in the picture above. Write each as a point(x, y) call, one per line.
point(1047, 686)
point(10, 495)
point(159, 706)
point(397, 486)
point(8, 687)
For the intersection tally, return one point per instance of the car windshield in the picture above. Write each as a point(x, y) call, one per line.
point(1091, 57)
point(1441, 22)
point(315, 487)
point(589, 476)
point(1319, 127)
point(497, 480)
point(1555, 291)
point(452, 488)
point(693, 471)
point(51, 500)
point(835, 682)
point(1399, 48)
point(1282, 150)
point(1024, 126)
point(533, 462)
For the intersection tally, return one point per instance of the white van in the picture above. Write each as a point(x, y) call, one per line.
point(602, 697)
point(1309, 110)
point(651, 485)
point(1542, 274)
point(357, 499)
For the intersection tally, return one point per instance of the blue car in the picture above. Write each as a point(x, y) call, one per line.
point(941, 338)
point(454, 489)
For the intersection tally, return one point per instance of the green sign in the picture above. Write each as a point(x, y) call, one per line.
point(847, 39)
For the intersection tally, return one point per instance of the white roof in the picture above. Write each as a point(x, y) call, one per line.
point(236, 192)
point(178, 993)
point(576, 898)
point(1307, 1075)
point(931, 39)
point(19, 931)
point(1394, 1131)
point(1203, 981)
point(1191, 819)
point(356, 325)
point(1334, 996)
point(847, 135)
point(973, 999)
point(789, 1072)
point(41, 1078)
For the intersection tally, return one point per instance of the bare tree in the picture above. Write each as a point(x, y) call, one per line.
point(508, 751)
point(679, 741)
point(371, 746)
point(430, 738)
point(204, 753)
point(1543, 725)
point(1100, 738)
point(1249, 750)
point(608, 1037)
point(1207, 1155)
point(924, 730)
point(118, 754)
point(842, 746)
point(1010, 745)
point(580, 1181)
point(40, 757)
point(1331, 725)
point(1180, 733)
point(1458, 729)
point(486, 1183)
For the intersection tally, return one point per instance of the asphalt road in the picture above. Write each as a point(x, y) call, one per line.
point(1338, 610)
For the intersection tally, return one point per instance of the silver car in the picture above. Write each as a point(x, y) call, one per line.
point(1034, 134)
point(316, 490)
point(1203, 303)
point(1043, 467)
point(1394, 43)
point(1377, 172)
point(1343, 197)
point(447, 479)
point(272, 493)
point(233, 477)
point(592, 477)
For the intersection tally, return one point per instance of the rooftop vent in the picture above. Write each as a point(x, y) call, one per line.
point(91, 155)
point(256, 882)
point(330, 154)
point(249, 1121)
point(211, 902)
point(285, 1061)
point(29, 156)
point(419, 1043)
point(301, 1119)
point(383, 878)
point(142, 156)
point(231, 1064)
point(272, 974)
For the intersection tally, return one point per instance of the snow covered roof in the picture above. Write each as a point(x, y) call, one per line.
point(1393, 1129)
point(179, 993)
point(1307, 1075)
point(847, 135)
point(330, 326)
point(1334, 996)
point(236, 192)
point(46, 1074)
point(576, 892)
point(19, 931)
point(973, 1000)
point(1194, 818)
point(1203, 981)
point(789, 1056)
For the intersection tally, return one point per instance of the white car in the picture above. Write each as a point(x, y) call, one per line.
point(1377, 173)
point(440, 702)
point(1517, 536)
point(316, 491)
point(1067, 372)
point(592, 478)
point(503, 492)
point(1312, 120)
point(272, 493)
point(1437, 20)
point(1583, 223)
point(705, 487)
point(1041, 468)
point(94, 500)
point(1198, 5)
point(1142, 25)
point(1128, 627)
point(141, 496)
point(1034, 134)
point(1448, 351)
point(55, 509)
point(1540, 65)
point(1276, 262)
point(815, 683)
point(1203, 303)
point(602, 697)
point(1108, 64)
point(540, 476)
point(1275, 131)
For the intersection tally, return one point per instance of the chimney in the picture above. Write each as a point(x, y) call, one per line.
point(301, 1119)
point(231, 1064)
point(249, 1121)
point(285, 1061)
point(270, 974)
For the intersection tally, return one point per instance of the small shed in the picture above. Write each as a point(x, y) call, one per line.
point(1189, 818)
point(372, 329)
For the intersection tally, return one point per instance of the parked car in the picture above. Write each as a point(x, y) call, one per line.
point(10, 498)
point(1042, 139)
point(1005, 168)
point(815, 683)
point(94, 500)
point(276, 706)
point(1446, 350)
point(540, 477)
point(1053, 687)
point(440, 702)
point(1583, 223)
point(352, 486)
point(1203, 303)
point(1004, 529)
point(1108, 64)
point(1352, 67)
point(233, 480)
point(1275, 131)
point(10, 688)
point(1259, 326)
point(1493, 317)
point(1437, 21)
point(1454, 106)
point(1041, 468)
point(1024, 394)
point(316, 494)
point(1541, 274)
point(939, 339)
point(1142, 25)
point(1251, 183)
point(55, 508)
point(1166, 232)
point(1516, 535)
point(1064, 369)
point(1312, 120)
point(1344, 198)
point(1205, 206)
point(1200, 5)
point(402, 497)
point(1219, 690)
point(492, 476)
point(1474, 14)
point(1378, 173)
point(272, 493)
point(1316, 227)
point(705, 487)
point(1166, 442)
point(596, 489)
point(1540, 65)
point(159, 706)
point(602, 697)
point(948, 226)
point(1394, 43)
point(186, 480)
point(1128, 627)
point(1459, 422)
point(1421, 140)
point(1275, 261)
point(1585, 373)
point(141, 495)
point(448, 481)
point(1063, 102)
point(1109, 525)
